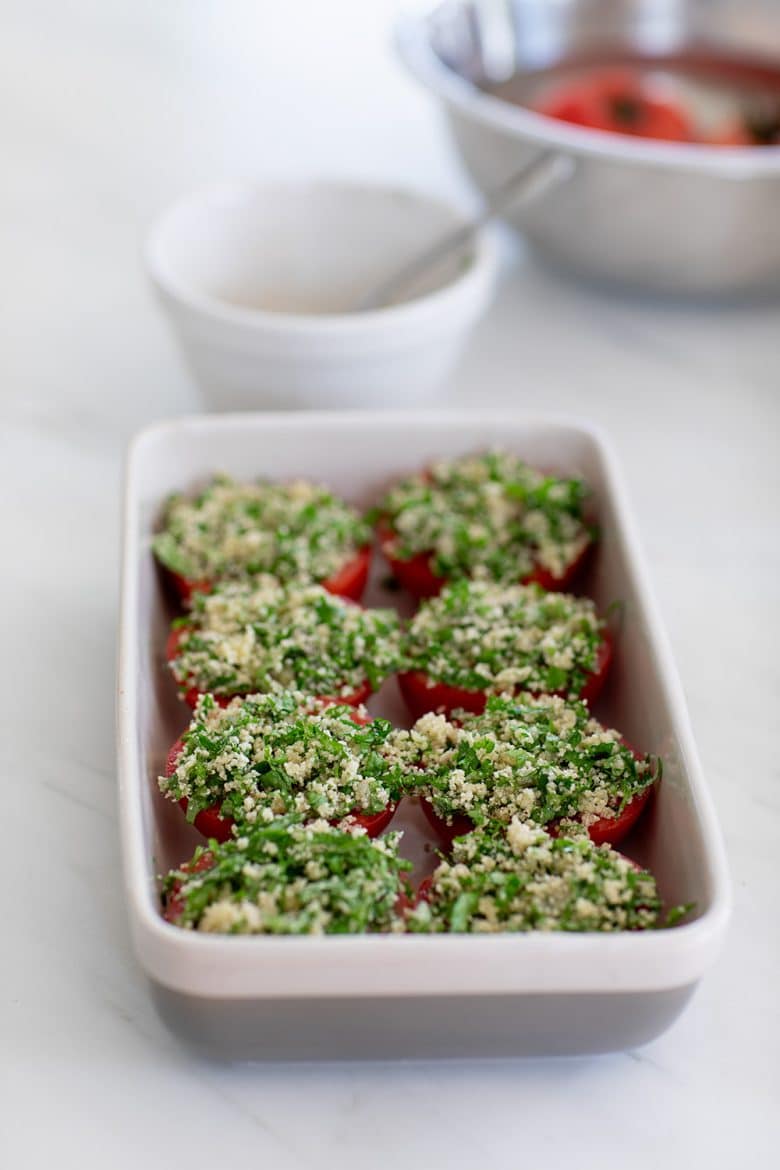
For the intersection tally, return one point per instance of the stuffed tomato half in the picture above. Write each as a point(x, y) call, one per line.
point(490, 516)
point(261, 637)
point(478, 638)
point(266, 756)
point(290, 877)
point(518, 877)
point(295, 531)
point(544, 760)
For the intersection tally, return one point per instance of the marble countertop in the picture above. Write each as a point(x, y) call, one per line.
point(110, 110)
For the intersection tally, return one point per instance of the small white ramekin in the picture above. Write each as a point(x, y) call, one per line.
point(260, 282)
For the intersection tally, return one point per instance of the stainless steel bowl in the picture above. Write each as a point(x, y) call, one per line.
point(675, 217)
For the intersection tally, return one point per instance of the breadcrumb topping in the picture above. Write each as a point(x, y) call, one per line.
point(265, 756)
point(297, 531)
point(482, 636)
point(522, 879)
point(260, 636)
point(539, 759)
point(488, 515)
point(291, 878)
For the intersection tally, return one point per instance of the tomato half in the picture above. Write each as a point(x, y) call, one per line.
point(208, 821)
point(594, 683)
point(191, 694)
point(620, 102)
point(461, 824)
point(184, 587)
point(414, 574)
point(425, 889)
point(406, 902)
point(373, 823)
point(417, 576)
point(610, 830)
point(421, 696)
point(350, 580)
point(174, 903)
point(606, 830)
point(553, 584)
point(211, 823)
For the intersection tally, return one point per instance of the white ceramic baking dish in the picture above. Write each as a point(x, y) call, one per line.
point(410, 996)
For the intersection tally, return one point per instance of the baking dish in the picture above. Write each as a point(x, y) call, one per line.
point(410, 996)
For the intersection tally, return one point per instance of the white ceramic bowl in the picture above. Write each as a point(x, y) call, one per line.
point(260, 283)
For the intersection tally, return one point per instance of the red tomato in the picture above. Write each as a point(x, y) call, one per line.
point(350, 580)
point(554, 584)
point(405, 902)
point(420, 697)
point(174, 903)
point(174, 641)
point(461, 824)
point(594, 684)
point(618, 101)
point(211, 823)
point(606, 830)
point(614, 829)
point(185, 587)
point(208, 821)
point(192, 694)
point(417, 576)
point(373, 823)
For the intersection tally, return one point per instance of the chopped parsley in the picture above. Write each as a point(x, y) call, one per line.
point(290, 878)
point(296, 531)
point(259, 636)
point(486, 637)
point(488, 515)
point(268, 755)
point(520, 879)
point(540, 759)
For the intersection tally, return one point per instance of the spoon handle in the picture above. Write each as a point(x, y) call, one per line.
point(531, 181)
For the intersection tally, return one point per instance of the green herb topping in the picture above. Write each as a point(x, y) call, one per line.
point(487, 637)
point(296, 531)
point(523, 879)
point(541, 759)
point(290, 878)
point(488, 515)
point(260, 636)
point(268, 755)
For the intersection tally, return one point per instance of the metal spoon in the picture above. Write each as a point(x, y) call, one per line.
point(528, 183)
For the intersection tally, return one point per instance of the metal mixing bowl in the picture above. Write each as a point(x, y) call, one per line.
point(676, 217)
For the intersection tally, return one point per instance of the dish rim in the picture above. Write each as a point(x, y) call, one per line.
point(464, 287)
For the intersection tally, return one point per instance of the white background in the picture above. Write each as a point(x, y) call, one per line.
point(109, 109)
